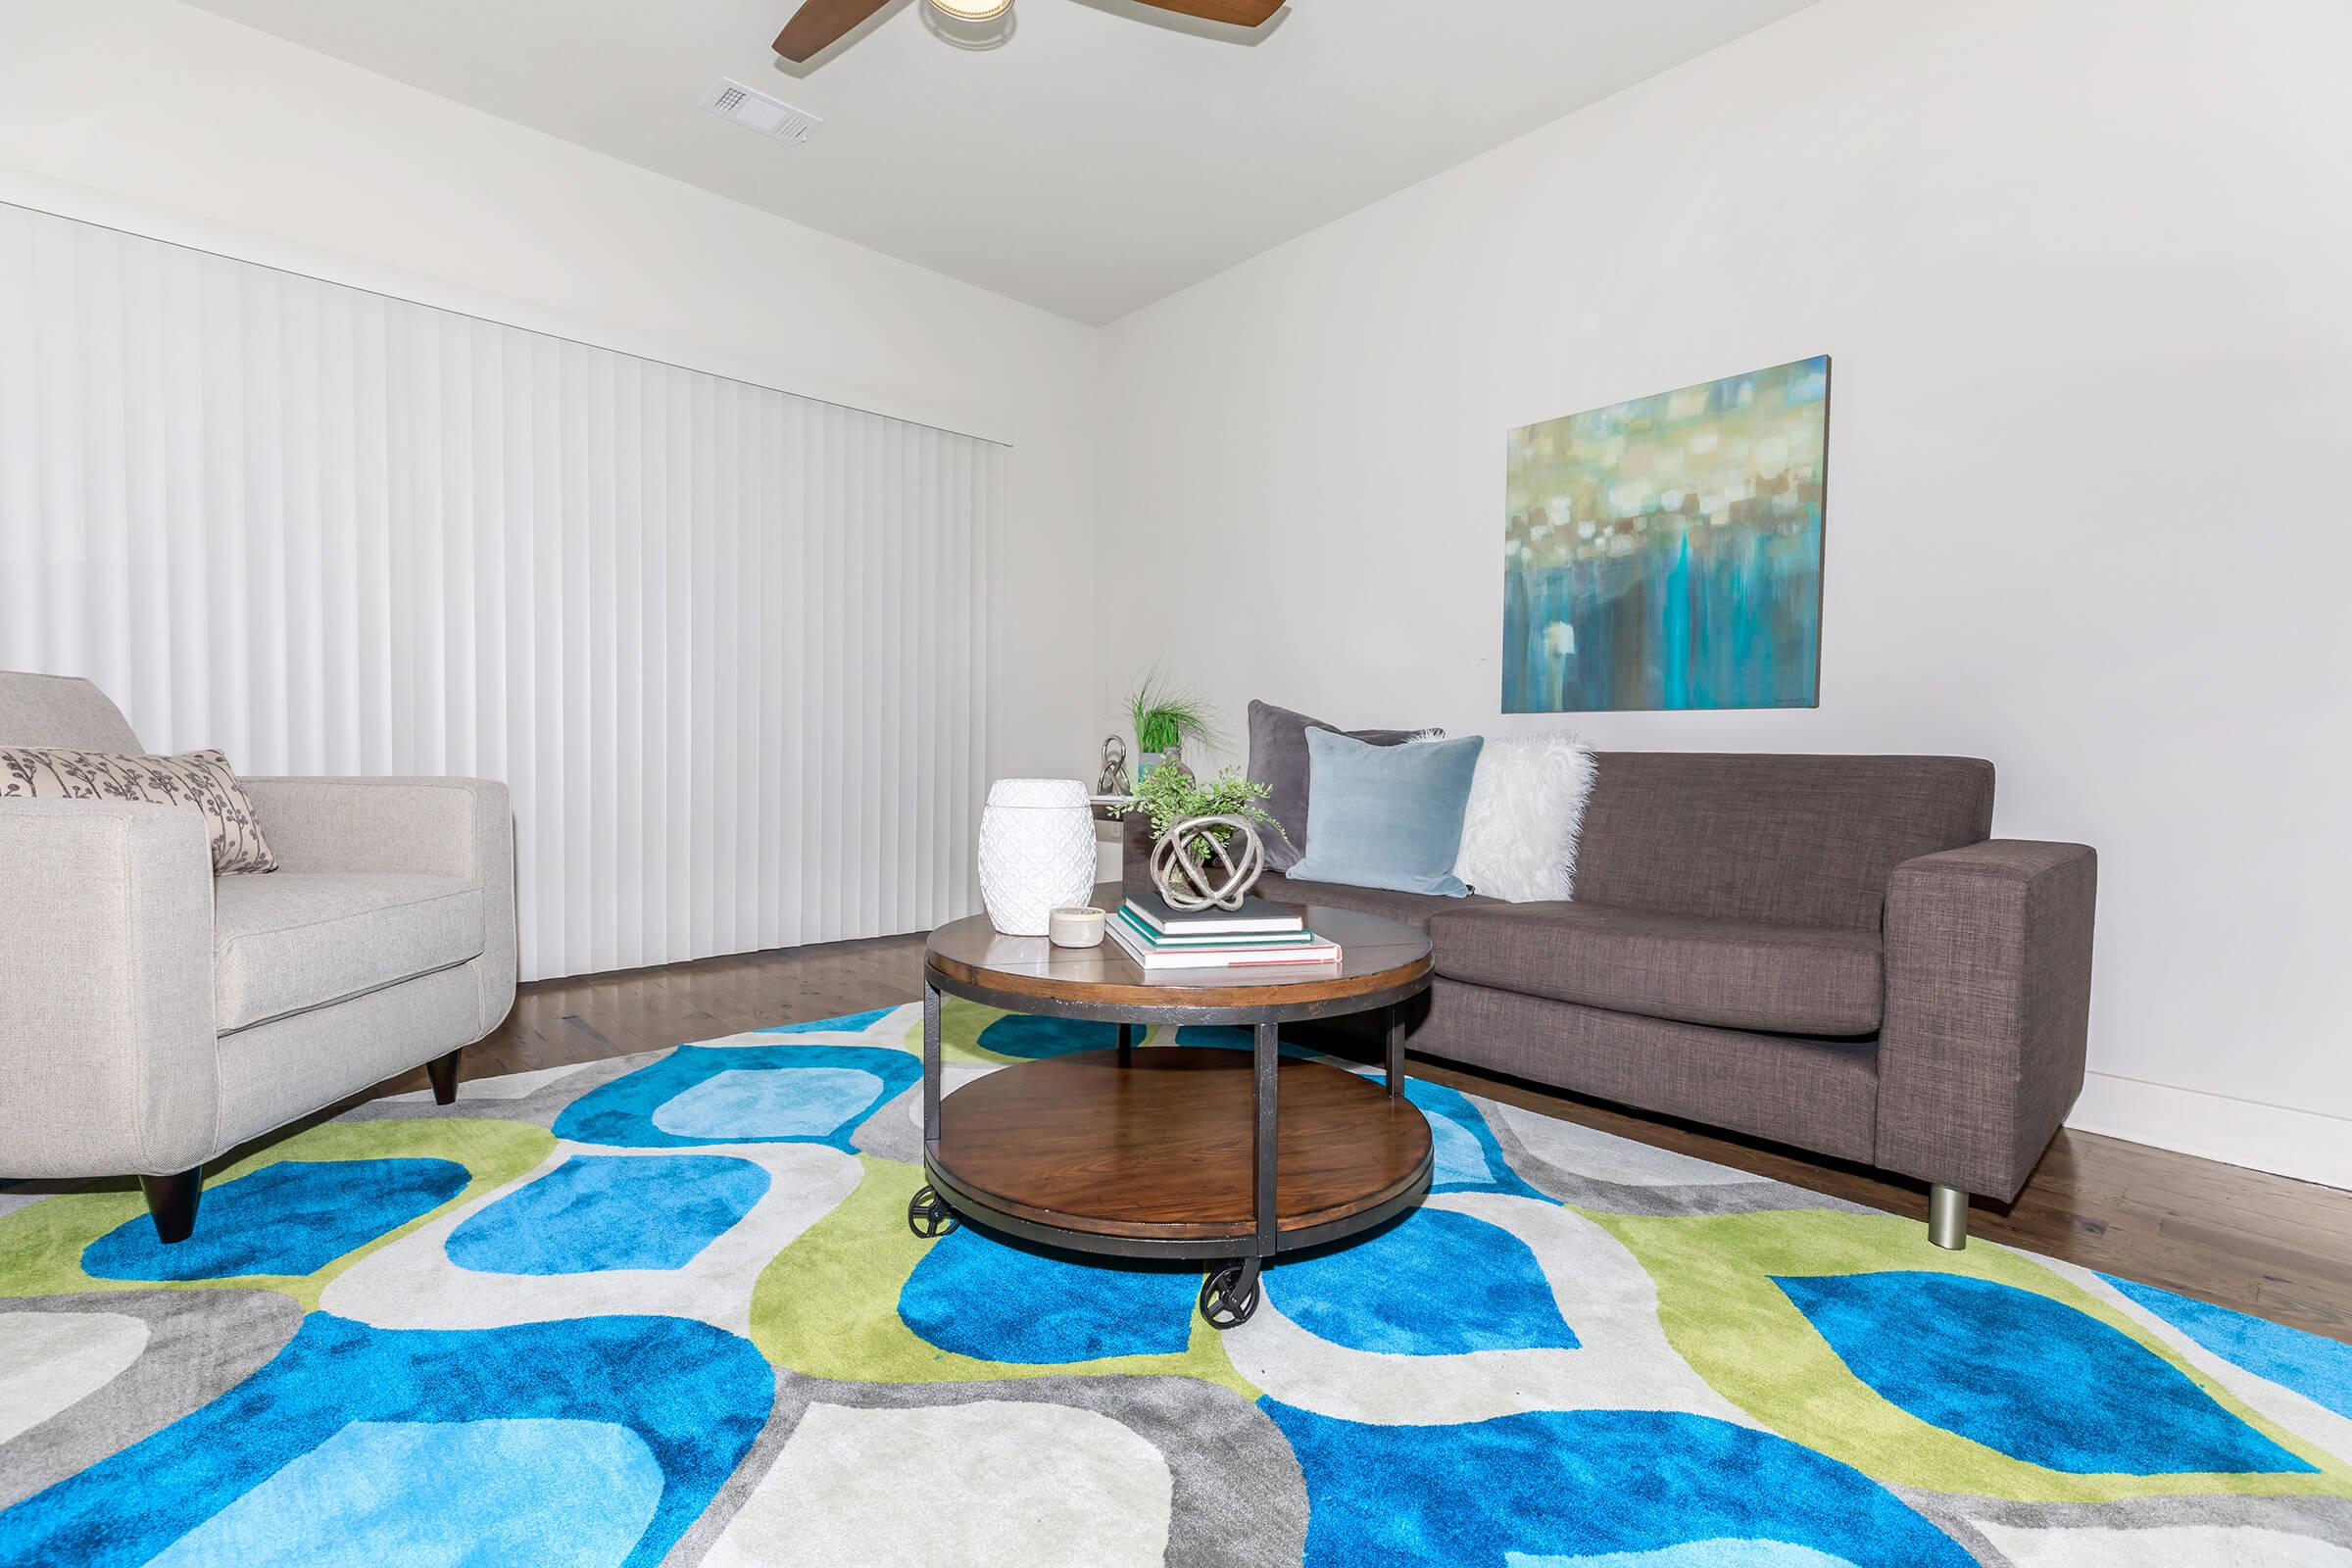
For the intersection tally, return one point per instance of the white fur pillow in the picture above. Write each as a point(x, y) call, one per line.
point(1527, 806)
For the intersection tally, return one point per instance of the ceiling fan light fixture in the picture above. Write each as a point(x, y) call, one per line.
point(818, 25)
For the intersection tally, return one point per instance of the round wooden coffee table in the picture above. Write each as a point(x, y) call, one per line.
point(1182, 1152)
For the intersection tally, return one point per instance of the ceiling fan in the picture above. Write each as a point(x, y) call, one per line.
point(818, 23)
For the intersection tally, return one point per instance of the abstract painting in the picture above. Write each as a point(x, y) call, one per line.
point(1666, 552)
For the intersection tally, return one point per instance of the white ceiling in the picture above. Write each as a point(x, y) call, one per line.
point(1099, 157)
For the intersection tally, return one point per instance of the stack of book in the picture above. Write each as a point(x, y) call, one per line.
point(1258, 934)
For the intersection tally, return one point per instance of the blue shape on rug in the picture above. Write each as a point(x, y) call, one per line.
point(1030, 1037)
point(1459, 1162)
point(799, 1101)
point(607, 1211)
point(1469, 1157)
point(2319, 1369)
point(293, 1217)
point(805, 1100)
point(976, 1296)
point(1230, 1036)
point(1436, 1283)
point(1579, 1483)
point(1693, 1555)
point(693, 1397)
point(554, 1494)
point(849, 1023)
point(2027, 1376)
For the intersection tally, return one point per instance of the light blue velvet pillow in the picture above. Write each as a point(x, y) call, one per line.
point(1386, 817)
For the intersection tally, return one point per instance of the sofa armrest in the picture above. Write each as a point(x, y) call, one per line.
point(460, 827)
point(107, 1063)
point(433, 826)
point(1987, 1010)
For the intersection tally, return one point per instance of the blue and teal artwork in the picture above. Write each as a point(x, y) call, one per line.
point(1666, 552)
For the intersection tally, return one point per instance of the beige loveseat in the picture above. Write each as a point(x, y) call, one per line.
point(153, 1018)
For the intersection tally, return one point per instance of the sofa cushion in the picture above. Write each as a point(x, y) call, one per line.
point(1736, 974)
point(1413, 908)
point(1793, 840)
point(296, 940)
point(1278, 761)
point(1388, 816)
point(1821, 1094)
point(193, 781)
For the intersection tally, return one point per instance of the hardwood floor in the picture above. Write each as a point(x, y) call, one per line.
point(2262, 1244)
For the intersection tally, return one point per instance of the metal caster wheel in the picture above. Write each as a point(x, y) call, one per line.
point(928, 1214)
point(1229, 1296)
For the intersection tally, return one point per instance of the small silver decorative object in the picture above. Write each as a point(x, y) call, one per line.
point(1114, 780)
point(1234, 861)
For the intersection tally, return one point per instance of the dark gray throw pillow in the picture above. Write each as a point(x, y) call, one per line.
point(1278, 758)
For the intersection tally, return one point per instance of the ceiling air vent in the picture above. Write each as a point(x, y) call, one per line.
point(732, 100)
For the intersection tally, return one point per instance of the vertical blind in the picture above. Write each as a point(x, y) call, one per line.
point(726, 644)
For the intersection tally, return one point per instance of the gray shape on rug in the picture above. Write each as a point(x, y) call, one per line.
point(15, 1198)
point(1240, 1499)
point(2322, 1519)
point(1643, 1180)
point(200, 1345)
point(891, 1133)
point(539, 1109)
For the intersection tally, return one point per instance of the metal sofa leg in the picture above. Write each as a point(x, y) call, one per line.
point(443, 1071)
point(172, 1203)
point(1947, 1218)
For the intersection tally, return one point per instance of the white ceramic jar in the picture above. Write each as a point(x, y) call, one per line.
point(1037, 852)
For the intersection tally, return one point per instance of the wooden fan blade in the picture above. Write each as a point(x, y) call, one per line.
point(1236, 13)
point(818, 23)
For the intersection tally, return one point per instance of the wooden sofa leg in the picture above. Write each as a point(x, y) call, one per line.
point(443, 1071)
point(1947, 1216)
point(172, 1203)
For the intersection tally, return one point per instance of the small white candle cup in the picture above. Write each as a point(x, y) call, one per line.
point(1079, 927)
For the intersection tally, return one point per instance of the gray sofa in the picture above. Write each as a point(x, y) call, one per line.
point(1827, 951)
point(153, 1018)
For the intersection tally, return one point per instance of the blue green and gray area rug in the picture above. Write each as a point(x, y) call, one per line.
point(666, 1309)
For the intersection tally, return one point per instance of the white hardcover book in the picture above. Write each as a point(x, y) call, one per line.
point(1320, 955)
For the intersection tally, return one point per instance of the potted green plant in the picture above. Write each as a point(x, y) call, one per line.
point(1167, 796)
point(1164, 719)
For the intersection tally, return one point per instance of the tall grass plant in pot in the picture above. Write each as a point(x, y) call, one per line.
point(1165, 717)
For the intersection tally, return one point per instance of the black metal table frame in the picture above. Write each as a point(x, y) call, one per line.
point(1229, 1296)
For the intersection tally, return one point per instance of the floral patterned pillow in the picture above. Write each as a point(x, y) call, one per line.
point(200, 781)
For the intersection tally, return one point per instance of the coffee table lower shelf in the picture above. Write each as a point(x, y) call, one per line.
point(1159, 1154)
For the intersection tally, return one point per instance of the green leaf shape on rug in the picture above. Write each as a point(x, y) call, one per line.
point(828, 1306)
point(42, 1246)
point(1724, 1314)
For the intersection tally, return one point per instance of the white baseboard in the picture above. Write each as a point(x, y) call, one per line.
point(2310, 1146)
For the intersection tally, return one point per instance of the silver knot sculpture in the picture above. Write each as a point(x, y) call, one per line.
point(1114, 780)
point(1219, 876)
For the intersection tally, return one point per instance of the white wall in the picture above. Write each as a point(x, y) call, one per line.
point(2083, 271)
point(169, 121)
point(2080, 265)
